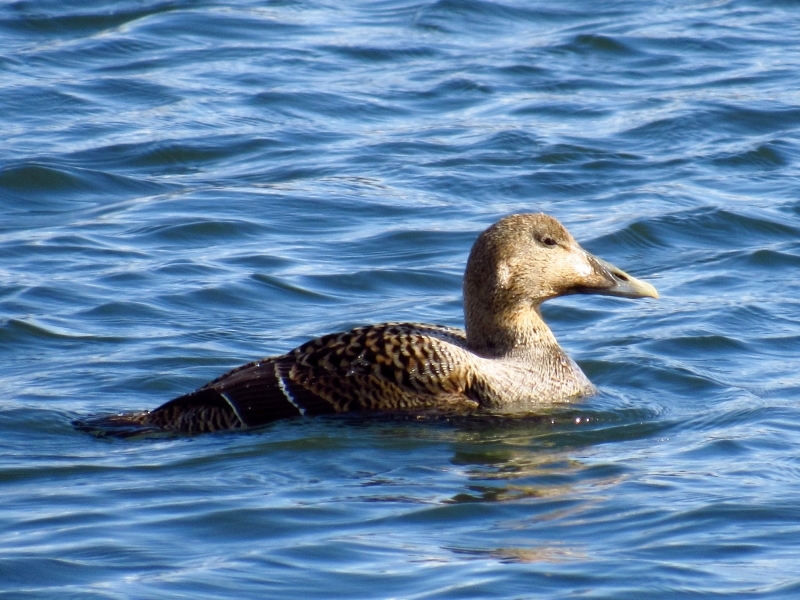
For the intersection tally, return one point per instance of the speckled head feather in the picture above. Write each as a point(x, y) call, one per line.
point(507, 360)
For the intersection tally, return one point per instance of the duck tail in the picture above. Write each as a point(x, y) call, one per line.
point(123, 425)
point(202, 411)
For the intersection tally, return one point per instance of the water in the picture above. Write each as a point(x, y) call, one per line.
point(187, 186)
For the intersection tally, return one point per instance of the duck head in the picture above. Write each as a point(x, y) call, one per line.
point(518, 263)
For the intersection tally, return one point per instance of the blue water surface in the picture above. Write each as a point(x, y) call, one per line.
point(187, 186)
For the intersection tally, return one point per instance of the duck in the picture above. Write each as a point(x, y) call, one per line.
point(505, 360)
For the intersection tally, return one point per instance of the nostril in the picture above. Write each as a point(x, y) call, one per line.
point(621, 276)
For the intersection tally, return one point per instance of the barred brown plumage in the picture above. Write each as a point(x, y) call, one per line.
point(507, 359)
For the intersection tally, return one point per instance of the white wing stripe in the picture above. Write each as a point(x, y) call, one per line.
point(233, 407)
point(286, 392)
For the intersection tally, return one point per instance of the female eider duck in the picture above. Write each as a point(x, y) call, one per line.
point(507, 360)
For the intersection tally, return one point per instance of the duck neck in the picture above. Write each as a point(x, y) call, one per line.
point(516, 332)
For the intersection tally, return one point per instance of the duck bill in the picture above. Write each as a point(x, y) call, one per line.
point(616, 282)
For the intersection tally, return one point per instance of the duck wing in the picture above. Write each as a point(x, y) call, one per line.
point(389, 367)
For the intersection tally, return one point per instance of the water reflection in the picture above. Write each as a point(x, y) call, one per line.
point(546, 472)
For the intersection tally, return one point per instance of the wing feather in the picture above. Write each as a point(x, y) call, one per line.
point(389, 367)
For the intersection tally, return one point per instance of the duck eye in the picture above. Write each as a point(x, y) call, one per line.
point(548, 241)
